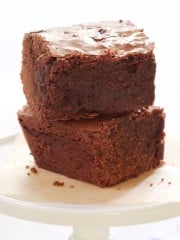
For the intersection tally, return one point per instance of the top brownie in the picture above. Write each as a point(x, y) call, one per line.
point(88, 70)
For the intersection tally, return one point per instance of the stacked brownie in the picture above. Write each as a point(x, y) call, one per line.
point(90, 91)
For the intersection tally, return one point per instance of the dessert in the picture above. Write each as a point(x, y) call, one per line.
point(88, 70)
point(103, 151)
point(90, 91)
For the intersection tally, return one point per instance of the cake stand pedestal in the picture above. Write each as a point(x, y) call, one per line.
point(89, 233)
point(88, 222)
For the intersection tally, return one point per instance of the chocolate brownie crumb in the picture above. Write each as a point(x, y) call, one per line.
point(74, 35)
point(58, 184)
point(102, 30)
point(40, 31)
point(34, 170)
point(162, 179)
point(169, 183)
point(28, 174)
point(151, 184)
point(27, 166)
point(71, 186)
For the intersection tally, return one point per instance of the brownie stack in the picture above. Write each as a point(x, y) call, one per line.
point(90, 91)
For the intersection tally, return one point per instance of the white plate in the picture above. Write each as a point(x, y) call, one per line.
point(153, 196)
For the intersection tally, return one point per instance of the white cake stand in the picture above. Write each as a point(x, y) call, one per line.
point(90, 210)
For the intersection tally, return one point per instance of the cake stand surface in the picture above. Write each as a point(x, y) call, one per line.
point(153, 196)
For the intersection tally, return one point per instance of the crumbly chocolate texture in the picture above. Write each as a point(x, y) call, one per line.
point(88, 70)
point(101, 151)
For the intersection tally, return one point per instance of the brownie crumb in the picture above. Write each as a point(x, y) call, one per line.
point(151, 184)
point(102, 30)
point(40, 31)
point(169, 183)
point(34, 170)
point(27, 166)
point(119, 188)
point(162, 179)
point(28, 174)
point(71, 186)
point(58, 184)
point(120, 20)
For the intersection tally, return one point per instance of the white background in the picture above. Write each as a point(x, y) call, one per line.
point(160, 19)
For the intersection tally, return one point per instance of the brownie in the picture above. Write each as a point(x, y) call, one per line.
point(88, 70)
point(103, 151)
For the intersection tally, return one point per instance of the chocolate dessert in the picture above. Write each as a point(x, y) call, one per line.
point(88, 70)
point(90, 90)
point(103, 151)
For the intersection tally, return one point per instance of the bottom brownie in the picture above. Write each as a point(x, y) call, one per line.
point(102, 151)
